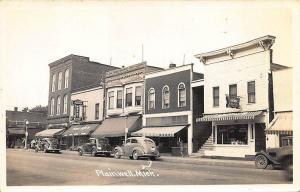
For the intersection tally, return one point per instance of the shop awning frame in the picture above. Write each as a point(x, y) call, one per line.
point(166, 131)
point(281, 124)
point(230, 116)
point(49, 133)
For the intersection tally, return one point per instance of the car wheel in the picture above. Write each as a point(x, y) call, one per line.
point(261, 161)
point(80, 152)
point(135, 155)
point(153, 158)
point(117, 154)
point(288, 166)
point(107, 154)
point(94, 152)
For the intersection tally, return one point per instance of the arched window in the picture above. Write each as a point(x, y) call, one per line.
point(67, 78)
point(181, 95)
point(52, 107)
point(59, 81)
point(65, 104)
point(165, 97)
point(151, 99)
point(58, 106)
point(53, 82)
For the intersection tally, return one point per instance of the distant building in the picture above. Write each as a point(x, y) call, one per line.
point(70, 74)
point(238, 96)
point(15, 126)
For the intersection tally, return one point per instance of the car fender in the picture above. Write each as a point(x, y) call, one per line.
point(139, 150)
point(272, 160)
point(121, 151)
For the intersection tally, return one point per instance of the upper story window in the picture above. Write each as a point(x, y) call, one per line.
point(181, 95)
point(128, 97)
point(151, 99)
point(165, 97)
point(53, 82)
point(97, 111)
point(251, 91)
point(84, 112)
point(119, 99)
point(216, 96)
point(59, 81)
point(52, 107)
point(76, 111)
point(233, 91)
point(67, 78)
point(58, 106)
point(65, 104)
point(111, 100)
point(138, 96)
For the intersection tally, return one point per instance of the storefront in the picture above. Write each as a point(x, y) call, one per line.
point(77, 135)
point(16, 136)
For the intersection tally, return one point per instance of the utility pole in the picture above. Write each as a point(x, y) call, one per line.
point(142, 52)
point(26, 132)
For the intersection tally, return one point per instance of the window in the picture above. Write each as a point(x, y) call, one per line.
point(232, 134)
point(111, 100)
point(52, 107)
point(128, 97)
point(59, 81)
point(232, 91)
point(67, 78)
point(128, 141)
point(84, 112)
point(165, 97)
point(181, 95)
point(97, 111)
point(138, 96)
point(251, 91)
point(151, 99)
point(216, 96)
point(53, 82)
point(134, 141)
point(76, 111)
point(65, 104)
point(286, 141)
point(119, 99)
point(58, 106)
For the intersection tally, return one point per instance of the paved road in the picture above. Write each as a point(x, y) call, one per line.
point(29, 168)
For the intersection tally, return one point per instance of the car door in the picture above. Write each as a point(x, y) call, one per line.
point(133, 143)
point(126, 147)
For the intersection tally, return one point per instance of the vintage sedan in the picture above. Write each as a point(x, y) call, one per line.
point(136, 147)
point(47, 145)
point(96, 146)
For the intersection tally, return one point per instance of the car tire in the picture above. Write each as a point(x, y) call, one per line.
point(94, 152)
point(80, 153)
point(288, 167)
point(135, 155)
point(117, 154)
point(153, 158)
point(261, 162)
point(107, 154)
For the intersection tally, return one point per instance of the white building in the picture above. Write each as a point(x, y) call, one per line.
point(238, 97)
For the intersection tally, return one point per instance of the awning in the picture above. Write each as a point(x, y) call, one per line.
point(49, 133)
point(229, 116)
point(158, 131)
point(115, 127)
point(16, 131)
point(77, 130)
point(281, 124)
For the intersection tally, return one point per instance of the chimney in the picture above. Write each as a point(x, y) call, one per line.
point(15, 108)
point(172, 65)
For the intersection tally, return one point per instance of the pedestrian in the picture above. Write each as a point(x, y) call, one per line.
point(181, 147)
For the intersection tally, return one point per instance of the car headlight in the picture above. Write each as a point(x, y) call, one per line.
point(99, 148)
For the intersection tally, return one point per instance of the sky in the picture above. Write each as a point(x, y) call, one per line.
point(32, 35)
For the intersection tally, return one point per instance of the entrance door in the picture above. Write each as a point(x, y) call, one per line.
point(260, 137)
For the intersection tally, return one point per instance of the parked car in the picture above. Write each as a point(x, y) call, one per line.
point(95, 147)
point(282, 156)
point(136, 147)
point(47, 145)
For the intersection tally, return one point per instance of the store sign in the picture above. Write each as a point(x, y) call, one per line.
point(77, 102)
point(233, 102)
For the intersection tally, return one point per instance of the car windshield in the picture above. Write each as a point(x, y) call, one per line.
point(102, 141)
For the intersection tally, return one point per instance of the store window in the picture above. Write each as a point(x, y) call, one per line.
point(232, 134)
point(165, 97)
point(111, 100)
point(286, 141)
point(151, 99)
point(128, 97)
point(58, 106)
point(232, 91)
point(119, 98)
point(181, 95)
point(53, 82)
point(216, 96)
point(97, 111)
point(251, 91)
point(138, 96)
point(67, 78)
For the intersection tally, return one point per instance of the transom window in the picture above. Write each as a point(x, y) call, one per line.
point(128, 97)
point(138, 96)
point(151, 99)
point(165, 97)
point(181, 95)
point(251, 91)
point(110, 100)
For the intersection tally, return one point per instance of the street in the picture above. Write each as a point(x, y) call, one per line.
point(30, 168)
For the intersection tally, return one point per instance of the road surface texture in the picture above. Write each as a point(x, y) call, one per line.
point(30, 168)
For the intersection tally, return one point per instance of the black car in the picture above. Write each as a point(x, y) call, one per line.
point(282, 156)
point(95, 147)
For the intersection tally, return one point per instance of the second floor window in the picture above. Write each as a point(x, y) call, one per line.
point(216, 96)
point(59, 81)
point(251, 91)
point(65, 104)
point(138, 96)
point(111, 100)
point(97, 111)
point(128, 97)
point(119, 99)
point(232, 91)
point(165, 97)
point(58, 106)
point(151, 99)
point(84, 112)
point(181, 95)
point(76, 111)
point(67, 78)
point(52, 107)
point(53, 82)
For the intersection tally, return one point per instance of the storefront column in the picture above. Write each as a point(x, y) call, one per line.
point(190, 134)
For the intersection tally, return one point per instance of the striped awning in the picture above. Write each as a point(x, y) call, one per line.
point(281, 124)
point(49, 133)
point(77, 130)
point(229, 116)
point(158, 131)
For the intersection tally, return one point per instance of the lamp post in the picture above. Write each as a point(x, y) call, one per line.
point(126, 129)
point(26, 132)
